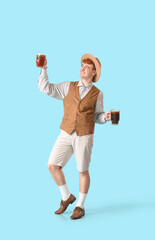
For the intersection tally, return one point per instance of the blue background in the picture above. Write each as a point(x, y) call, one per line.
point(121, 200)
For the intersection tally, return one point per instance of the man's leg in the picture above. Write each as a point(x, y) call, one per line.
point(60, 155)
point(84, 184)
point(82, 149)
point(59, 179)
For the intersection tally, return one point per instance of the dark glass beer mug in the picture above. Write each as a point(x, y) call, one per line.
point(115, 116)
point(40, 60)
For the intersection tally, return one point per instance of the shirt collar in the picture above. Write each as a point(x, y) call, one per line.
point(80, 83)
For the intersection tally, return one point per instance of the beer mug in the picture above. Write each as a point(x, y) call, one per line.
point(40, 60)
point(115, 116)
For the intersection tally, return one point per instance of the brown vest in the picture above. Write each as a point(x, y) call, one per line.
point(79, 113)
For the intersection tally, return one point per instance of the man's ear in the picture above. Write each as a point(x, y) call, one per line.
point(94, 73)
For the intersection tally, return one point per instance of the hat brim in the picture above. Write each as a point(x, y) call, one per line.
point(97, 65)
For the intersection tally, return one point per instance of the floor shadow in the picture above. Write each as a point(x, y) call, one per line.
point(119, 207)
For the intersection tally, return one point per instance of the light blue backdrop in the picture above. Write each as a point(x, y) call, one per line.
point(121, 200)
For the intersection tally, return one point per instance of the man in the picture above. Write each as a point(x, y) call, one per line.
point(83, 107)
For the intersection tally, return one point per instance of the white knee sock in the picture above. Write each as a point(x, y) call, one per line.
point(80, 202)
point(64, 192)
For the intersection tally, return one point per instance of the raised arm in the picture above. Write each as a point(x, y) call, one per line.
point(58, 91)
point(99, 110)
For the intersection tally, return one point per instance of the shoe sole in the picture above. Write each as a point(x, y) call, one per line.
point(77, 217)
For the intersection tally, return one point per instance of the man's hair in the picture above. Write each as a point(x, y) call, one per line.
point(89, 61)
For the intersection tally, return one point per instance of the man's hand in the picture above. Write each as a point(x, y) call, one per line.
point(108, 116)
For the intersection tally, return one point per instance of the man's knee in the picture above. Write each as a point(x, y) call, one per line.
point(52, 167)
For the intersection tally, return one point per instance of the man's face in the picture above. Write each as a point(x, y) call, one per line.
point(87, 71)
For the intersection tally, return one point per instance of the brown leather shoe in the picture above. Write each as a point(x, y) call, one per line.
point(78, 213)
point(64, 204)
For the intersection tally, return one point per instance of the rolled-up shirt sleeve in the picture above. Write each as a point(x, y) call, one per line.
point(99, 109)
point(58, 90)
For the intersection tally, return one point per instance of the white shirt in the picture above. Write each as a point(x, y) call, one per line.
point(60, 91)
